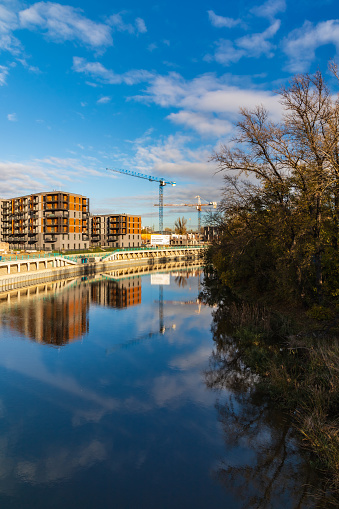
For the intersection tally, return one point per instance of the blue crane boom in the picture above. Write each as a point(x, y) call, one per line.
point(151, 178)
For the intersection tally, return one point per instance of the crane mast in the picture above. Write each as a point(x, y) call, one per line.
point(196, 205)
point(151, 178)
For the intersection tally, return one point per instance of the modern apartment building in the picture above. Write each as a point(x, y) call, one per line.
point(46, 221)
point(115, 230)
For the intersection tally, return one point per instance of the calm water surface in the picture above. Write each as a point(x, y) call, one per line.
point(111, 397)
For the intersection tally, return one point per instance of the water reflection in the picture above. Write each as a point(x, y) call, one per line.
point(80, 428)
point(264, 466)
point(127, 417)
point(51, 313)
point(56, 313)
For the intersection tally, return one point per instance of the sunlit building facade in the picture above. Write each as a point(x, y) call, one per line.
point(115, 230)
point(46, 221)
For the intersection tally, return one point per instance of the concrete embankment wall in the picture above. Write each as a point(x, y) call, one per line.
point(22, 279)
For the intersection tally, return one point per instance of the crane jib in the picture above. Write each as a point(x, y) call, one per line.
point(162, 183)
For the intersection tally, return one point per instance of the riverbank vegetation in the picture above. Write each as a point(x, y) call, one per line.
point(277, 254)
point(280, 208)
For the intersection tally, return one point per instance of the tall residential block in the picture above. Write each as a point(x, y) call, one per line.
point(46, 221)
point(115, 230)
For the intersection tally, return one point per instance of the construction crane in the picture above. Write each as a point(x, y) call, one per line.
point(196, 205)
point(162, 183)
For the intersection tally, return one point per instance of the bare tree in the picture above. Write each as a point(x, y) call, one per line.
point(286, 174)
point(180, 226)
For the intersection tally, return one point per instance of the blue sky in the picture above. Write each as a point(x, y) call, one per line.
point(150, 87)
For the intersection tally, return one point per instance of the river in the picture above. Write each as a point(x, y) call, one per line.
point(113, 396)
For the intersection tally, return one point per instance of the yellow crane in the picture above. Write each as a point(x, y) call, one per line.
point(197, 205)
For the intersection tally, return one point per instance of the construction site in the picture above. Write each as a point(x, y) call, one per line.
point(61, 221)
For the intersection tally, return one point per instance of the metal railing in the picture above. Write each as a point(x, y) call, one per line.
point(75, 257)
point(151, 248)
point(32, 256)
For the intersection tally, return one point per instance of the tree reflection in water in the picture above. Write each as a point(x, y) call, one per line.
point(265, 466)
point(181, 280)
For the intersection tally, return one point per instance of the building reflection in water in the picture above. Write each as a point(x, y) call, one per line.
point(56, 313)
point(117, 294)
point(52, 313)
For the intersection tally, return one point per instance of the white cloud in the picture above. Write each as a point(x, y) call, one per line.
point(203, 124)
point(104, 100)
point(140, 26)
point(207, 104)
point(249, 46)
point(221, 21)
point(31, 68)
point(65, 23)
point(98, 71)
point(206, 94)
point(116, 21)
point(8, 23)
point(301, 44)
point(173, 157)
point(256, 45)
point(269, 9)
point(20, 178)
point(12, 117)
point(226, 52)
point(3, 75)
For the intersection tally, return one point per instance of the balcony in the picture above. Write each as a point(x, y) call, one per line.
point(115, 234)
point(50, 238)
point(57, 205)
point(18, 240)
